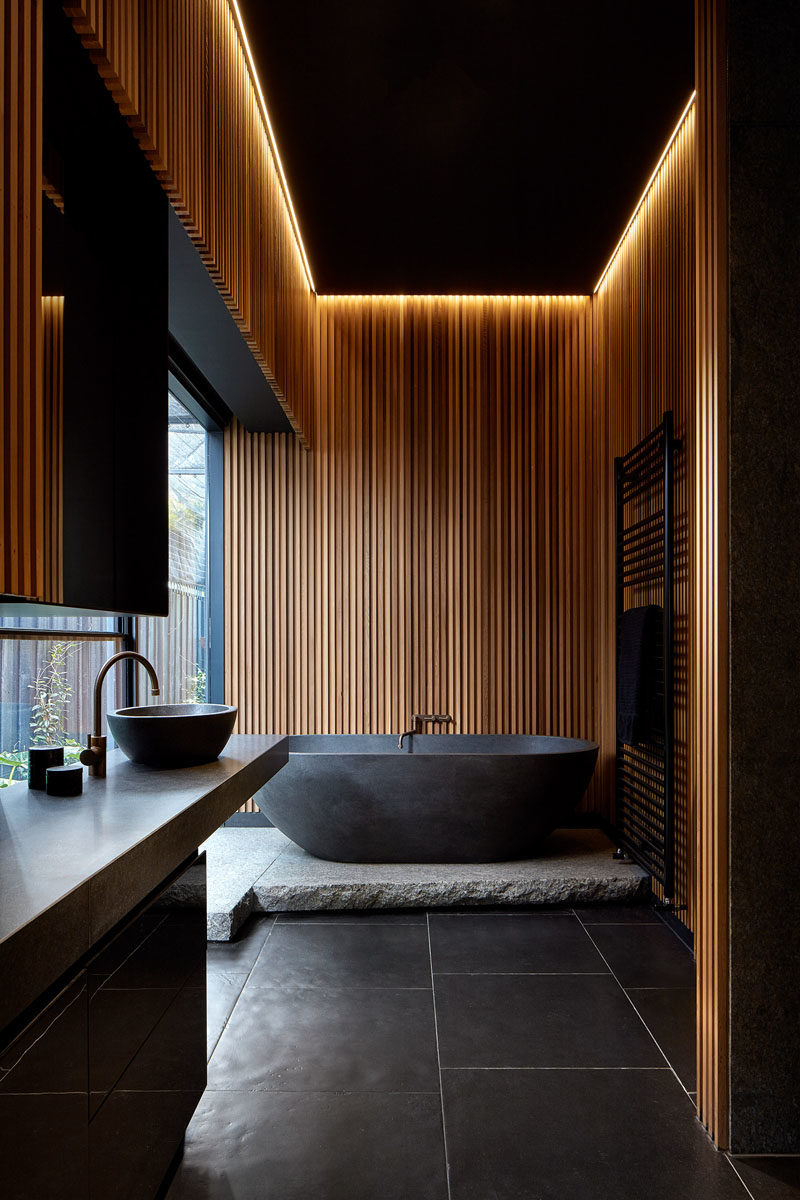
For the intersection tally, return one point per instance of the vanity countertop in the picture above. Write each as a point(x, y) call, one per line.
point(71, 868)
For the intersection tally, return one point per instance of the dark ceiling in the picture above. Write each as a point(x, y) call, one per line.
point(468, 145)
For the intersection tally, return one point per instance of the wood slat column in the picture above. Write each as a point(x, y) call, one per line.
point(23, 560)
point(644, 348)
point(711, 573)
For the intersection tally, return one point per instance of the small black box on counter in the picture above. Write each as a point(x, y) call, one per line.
point(39, 759)
point(65, 781)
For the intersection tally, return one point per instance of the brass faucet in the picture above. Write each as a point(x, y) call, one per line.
point(420, 719)
point(94, 756)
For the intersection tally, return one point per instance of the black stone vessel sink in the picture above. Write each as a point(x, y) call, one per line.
point(173, 735)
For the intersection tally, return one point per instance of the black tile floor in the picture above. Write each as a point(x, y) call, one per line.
point(503, 1055)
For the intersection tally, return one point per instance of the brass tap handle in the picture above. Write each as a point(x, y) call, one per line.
point(94, 756)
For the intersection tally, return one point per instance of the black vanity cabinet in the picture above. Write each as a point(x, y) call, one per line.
point(98, 1088)
point(103, 971)
point(44, 1080)
point(147, 1042)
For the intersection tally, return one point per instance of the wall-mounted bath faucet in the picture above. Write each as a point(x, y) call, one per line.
point(419, 720)
point(94, 756)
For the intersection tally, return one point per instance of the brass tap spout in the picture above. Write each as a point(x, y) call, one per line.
point(419, 720)
point(94, 756)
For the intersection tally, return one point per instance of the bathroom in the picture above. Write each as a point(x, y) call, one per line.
point(365, 503)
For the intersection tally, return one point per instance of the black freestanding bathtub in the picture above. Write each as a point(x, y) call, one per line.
point(442, 798)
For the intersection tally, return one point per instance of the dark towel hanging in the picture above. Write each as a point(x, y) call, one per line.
point(637, 672)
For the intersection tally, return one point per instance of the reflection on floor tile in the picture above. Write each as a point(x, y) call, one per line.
point(540, 1021)
point(617, 914)
point(279, 1146)
point(669, 1014)
point(503, 910)
point(517, 943)
point(644, 956)
point(375, 916)
point(770, 1178)
point(301, 1039)
point(325, 1078)
point(224, 988)
point(578, 1135)
point(242, 952)
point(357, 955)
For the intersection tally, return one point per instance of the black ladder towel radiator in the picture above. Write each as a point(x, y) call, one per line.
point(644, 540)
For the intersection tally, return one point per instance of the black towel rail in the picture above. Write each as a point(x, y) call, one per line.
point(643, 495)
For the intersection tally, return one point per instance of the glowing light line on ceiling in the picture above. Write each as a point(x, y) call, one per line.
point(452, 296)
point(296, 226)
point(273, 145)
point(644, 194)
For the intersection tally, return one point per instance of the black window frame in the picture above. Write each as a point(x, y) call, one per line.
point(193, 390)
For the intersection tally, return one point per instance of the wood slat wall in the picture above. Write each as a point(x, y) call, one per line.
point(434, 551)
point(711, 570)
point(23, 565)
point(179, 72)
point(502, 566)
point(644, 346)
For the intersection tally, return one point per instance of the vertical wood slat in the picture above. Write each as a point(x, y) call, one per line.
point(23, 560)
point(179, 73)
point(644, 319)
point(711, 572)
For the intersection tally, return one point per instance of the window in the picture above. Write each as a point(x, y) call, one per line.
point(177, 645)
point(47, 668)
point(49, 657)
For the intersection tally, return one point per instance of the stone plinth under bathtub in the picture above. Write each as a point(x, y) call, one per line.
point(575, 867)
point(236, 859)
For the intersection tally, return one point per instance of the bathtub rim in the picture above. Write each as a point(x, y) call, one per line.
point(549, 745)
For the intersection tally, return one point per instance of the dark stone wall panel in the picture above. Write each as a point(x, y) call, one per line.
point(764, 495)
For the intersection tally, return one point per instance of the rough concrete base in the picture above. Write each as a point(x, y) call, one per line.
point(260, 870)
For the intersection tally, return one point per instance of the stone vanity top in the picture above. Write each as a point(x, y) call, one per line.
point(71, 868)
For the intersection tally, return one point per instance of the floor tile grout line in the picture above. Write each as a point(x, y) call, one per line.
point(318, 921)
point(666, 1068)
point(333, 987)
point(579, 974)
point(241, 991)
point(639, 1015)
point(666, 988)
point(584, 922)
point(510, 911)
point(318, 1091)
point(732, 1165)
point(438, 1060)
